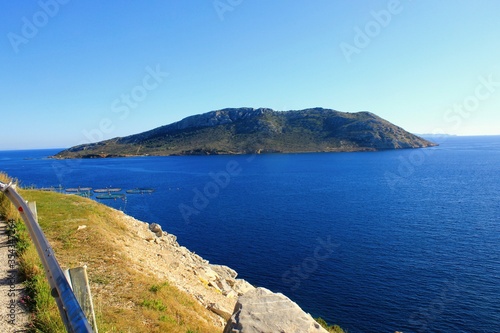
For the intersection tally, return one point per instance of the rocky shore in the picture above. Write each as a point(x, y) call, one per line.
point(239, 306)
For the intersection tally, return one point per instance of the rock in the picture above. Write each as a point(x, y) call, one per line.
point(214, 285)
point(223, 286)
point(242, 287)
point(224, 271)
point(169, 239)
point(217, 309)
point(232, 294)
point(156, 228)
point(262, 311)
point(207, 273)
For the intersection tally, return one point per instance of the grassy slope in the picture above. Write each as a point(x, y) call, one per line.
point(125, 300)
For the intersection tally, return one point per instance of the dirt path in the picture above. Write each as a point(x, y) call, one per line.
point(13, 316)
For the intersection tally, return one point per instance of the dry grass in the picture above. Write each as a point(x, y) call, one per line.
point(6, 209)
point(126, 300)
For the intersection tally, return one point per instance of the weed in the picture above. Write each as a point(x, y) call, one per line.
point(330, 328)
point(154, 304)
point(157, 287)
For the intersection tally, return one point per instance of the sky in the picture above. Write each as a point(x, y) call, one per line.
point(74, 72)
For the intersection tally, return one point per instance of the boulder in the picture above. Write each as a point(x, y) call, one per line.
point(224, 271)
point(242, 286)
point(224, 287)
point(262, 311)
point(219, 310)
point(156, 228)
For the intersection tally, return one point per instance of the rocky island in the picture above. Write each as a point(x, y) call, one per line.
point(249, 131)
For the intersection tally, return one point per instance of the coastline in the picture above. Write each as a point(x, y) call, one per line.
point(215, 287)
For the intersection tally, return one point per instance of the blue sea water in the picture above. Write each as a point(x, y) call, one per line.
point(405, 240)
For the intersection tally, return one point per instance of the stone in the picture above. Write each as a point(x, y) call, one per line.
point(224, 271)
point(262, 311)
point(217, 309)
point(242, 287)
point(156, 228)
point(232, 294)
point(223, 286)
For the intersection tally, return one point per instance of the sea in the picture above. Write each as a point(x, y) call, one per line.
point(400, 240)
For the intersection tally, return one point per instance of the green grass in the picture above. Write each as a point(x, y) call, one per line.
point(330, 328)
point(157, 287)
point(38, 300)
point(125, 299)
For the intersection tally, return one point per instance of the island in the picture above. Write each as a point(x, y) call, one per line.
point(262, 130)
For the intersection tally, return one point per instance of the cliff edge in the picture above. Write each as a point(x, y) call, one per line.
point(143, 280)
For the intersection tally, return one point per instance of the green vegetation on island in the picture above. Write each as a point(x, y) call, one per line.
point(249, 131)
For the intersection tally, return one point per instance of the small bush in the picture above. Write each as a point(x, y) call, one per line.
point(330, 328)
point(153, 304)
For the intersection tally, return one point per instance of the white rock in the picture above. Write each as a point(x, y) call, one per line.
point(224, 271)
point(262, 311)
point(217, 309)
point(242, 287)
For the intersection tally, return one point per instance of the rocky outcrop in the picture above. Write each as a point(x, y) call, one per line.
point(262, 311)
point(216, 287)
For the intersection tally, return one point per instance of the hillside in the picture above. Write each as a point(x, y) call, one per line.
point(141, 279)
point(248, 131)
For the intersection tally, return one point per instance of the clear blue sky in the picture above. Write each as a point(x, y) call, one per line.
point(73, 71)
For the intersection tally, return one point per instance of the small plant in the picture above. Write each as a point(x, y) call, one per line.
point(167, 319)
point(153, 304)
point(330, 328)
point(157, 287)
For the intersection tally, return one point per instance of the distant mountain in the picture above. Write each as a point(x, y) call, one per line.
point(248, 130)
